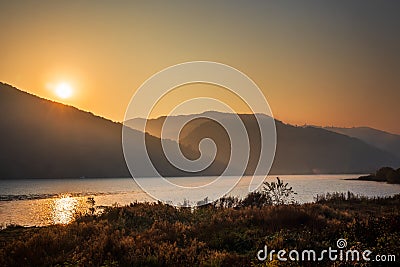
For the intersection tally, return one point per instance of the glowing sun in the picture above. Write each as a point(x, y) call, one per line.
point(64, 90)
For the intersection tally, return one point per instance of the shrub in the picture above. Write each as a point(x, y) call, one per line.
point(256, 199)
point(278, 193)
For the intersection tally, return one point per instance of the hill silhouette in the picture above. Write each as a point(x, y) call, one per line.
point(383, 140)
point(44, 139)
point(300, 150)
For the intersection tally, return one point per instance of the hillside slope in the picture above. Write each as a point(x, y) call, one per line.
point(300, 150)
point(44, 139)
point(383, 140)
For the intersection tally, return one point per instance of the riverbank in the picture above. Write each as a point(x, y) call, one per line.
point(145, 234)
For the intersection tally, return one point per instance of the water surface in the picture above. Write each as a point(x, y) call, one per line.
point(51, 201)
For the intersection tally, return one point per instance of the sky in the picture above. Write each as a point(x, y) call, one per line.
point(317, 62)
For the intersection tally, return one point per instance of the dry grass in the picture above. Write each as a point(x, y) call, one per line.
point(145, 234)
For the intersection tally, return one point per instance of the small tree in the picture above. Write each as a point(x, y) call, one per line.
point(91, 202)
point(278, 192)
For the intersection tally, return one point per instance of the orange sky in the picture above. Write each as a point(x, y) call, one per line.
point(331, 63)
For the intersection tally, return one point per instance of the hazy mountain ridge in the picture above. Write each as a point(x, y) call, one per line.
point(299, 149)
point(383, 140)
point(44, 139)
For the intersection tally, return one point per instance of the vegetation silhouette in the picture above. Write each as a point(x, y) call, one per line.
point(92, 205)
point(384, 174)
point(278, 192)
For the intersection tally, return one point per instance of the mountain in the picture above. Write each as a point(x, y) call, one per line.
point(154, 126)
point(44, 139)
point(300, 150)
point(383, 140)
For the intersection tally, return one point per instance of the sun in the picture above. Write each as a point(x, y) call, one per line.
point(63, 90)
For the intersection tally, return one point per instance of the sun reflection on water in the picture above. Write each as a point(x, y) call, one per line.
point(64, 209)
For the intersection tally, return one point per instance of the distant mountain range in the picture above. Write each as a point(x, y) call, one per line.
point(300, 150)
point(383, 140)
point(44, 139)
